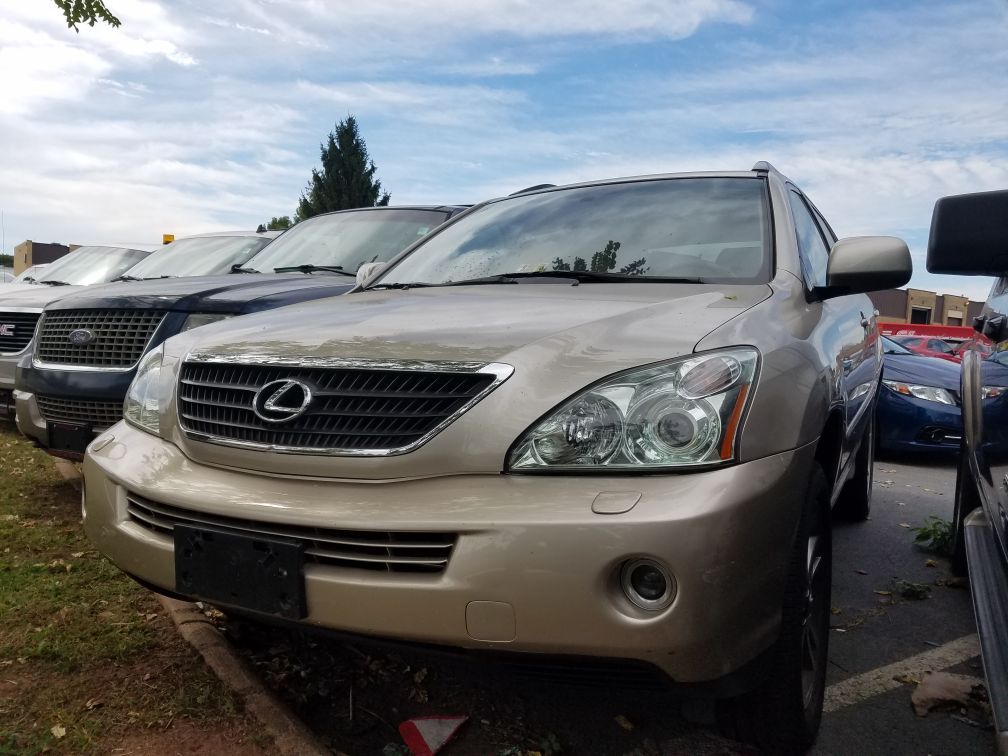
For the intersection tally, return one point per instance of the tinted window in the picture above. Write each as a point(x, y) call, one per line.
point(814, 252)
point(349, 239)
point(708, 228)
point(200, 256)
point(90, 265)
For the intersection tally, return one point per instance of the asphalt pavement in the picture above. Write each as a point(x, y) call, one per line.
point(896, 615)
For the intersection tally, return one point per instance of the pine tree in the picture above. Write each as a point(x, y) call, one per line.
point(347, 176)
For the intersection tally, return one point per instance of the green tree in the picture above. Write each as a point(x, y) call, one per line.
point(281, 223)
point(85, 12)
point(347, 177)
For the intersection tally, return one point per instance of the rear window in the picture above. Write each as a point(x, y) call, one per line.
point(714, 229)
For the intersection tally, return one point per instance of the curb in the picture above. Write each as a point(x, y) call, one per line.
point(290, 736)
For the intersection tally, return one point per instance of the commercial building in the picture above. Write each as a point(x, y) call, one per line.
point(921, 307)
point(29, 253)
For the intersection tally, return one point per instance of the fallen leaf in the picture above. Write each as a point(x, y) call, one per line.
point(836, 610)
point(907, 679)
point(92, 704)
point(884, 593)
point(930, 563)
point(944, 689)
point(625, 723)
point(861, 572)
point(58, 731)
point(904, 524)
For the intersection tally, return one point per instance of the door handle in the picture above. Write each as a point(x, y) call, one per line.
point(865, 323)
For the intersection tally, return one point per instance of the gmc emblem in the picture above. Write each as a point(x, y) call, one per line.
point(6, 329)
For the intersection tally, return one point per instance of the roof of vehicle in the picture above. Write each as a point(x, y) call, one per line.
point(761, 168)
point(269, 234)
point(450, 209)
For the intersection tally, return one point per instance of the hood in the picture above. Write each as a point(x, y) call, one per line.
point(557, 338)
point(232, 293)
point(611, 326)
point(37, 295)
point(922, 370)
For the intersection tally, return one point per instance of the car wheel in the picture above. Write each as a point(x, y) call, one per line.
point(782, 715)
point(966, 500)
point(855, 499)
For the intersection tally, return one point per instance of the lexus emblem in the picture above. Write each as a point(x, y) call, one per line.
point(281, 401)
point(80, 337)
point(6, 329)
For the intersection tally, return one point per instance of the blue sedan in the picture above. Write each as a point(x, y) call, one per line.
point(918, 407)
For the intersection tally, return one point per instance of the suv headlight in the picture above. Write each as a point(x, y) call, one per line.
point(143, 400)
point(927, 393)
point(681, 413)
point(198, 319)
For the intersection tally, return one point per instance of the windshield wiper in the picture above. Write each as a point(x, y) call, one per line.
point(237, 268)
point(56, 283)
point(309, 268)
point(578, 276)
point(156, 278)
point(125, 277)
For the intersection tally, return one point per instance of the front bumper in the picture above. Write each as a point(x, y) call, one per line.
point(533, 566)
point(907, 423)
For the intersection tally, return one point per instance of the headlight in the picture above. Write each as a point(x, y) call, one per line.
point(928, 393)
point(143, 401)
point(681, 413)
point(198, 319)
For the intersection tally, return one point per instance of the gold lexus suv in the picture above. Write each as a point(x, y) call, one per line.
point(593, 423)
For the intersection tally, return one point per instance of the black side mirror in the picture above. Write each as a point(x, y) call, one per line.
point(969, 234)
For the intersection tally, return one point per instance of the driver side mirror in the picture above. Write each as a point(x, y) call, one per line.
point(367, 271)
point(969, 234)
point(861, 264)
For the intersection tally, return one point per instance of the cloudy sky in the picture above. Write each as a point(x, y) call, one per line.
point(198, 116)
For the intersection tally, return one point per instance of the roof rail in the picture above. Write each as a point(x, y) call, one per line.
point(532, 189)
point(763, 166)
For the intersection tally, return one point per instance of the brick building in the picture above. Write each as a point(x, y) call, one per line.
point(924, 307)
point(29, 253)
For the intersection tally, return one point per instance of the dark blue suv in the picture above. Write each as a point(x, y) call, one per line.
point(88, 345)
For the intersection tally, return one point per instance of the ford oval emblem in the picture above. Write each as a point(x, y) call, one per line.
point(80, 337)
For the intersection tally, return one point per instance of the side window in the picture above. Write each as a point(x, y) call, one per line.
point(814, 252)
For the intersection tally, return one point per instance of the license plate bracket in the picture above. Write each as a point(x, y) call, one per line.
point(69, 437)
point(244, 571)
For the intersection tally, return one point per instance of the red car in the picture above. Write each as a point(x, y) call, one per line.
point(930, 346)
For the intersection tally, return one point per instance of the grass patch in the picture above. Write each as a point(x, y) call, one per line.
point(85, 653)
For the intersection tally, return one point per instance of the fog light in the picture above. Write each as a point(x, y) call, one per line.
point(647, 584)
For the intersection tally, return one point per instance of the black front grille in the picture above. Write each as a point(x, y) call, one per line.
point(99, 415)
point(16, 330)
point(383, 550)
point(352, 409)
point(118, 337)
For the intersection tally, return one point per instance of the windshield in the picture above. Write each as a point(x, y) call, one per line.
point(713, 229)
point(90, 265)
point(200, 256)
point(347, 240)
point(892, 347)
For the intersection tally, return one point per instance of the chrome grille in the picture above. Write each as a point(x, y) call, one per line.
point(353, 410)
point(384, 550)
point(120, 337)
point(99, 415)
point(16, 330)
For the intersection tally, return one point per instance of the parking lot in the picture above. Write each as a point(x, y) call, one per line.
point(881, 643)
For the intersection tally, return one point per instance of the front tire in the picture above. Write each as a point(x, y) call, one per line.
point(966, 500)
point(783, 714)
point(854, 503)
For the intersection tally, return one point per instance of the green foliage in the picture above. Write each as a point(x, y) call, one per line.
point(347, 177)
point(281, 223)
point(603, 261)
point(935, 535)
point(85, 12)
point(6, 261)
